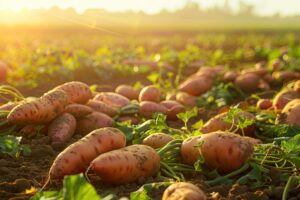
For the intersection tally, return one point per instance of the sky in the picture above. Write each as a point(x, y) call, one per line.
point(263, 7)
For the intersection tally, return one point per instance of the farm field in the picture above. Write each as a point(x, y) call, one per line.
point(89, 115)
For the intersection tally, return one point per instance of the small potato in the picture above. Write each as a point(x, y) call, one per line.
point(264, 104)
point(128, 91)
point(230, 76)
point(157, 140)
point(148, 108)
point(248, 83)
point(197, 85)
point(172, 113)
point(186, 99)
point(113, 99)
point(150, 93)
point(257, 71)
point(62, 128)
point(286, 76)
point(183, 191)
point(99, 106)
point(78, 110)
point(283, 97)
point(290, 114)
point(173, 107)
point(169, 103)
point(92, 122)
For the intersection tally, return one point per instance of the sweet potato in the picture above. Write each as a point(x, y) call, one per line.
point(224, 151)
point(102, 107)
point(189, 150)
point(169, 103)
point(286, 76)
point(297, 86)
point(230, 76)
point(148, 108)
point(196, 86)
point(150, 93)
point(126, 165)
point(128, 91)
point(173, 107)
point(78, 110)
point(216, 150)
point(157, 140)
point(268, 78)
point(217, 123)
point(248, 83)
point(112, 99)
point(183, 191)
point(77, 92)
point(283, 97)
point(77, 157)
point(264, 104)
point(172, 113)
point(62, 128)
point(290, 114)
point(257, 71)
point(41, 110)
point(93, 121)
point(186, 99)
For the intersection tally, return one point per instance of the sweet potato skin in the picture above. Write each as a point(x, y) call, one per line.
point(283, 97)
point(112, 99)
point(93, 121)
point(248, 83)
point(128, 91)
point(126, 165)
point(183, 190)
point(78, 110)
point(102, 107)
point(189, 150)
point(62, 128)
point(290, 114)
point(41, 110)
point(196, 85)
point(264, 104)
point(186, 99)
point(157, 140)
point(77, 92)
point(150, 93)
point(77, 157)
point(224, 151)
point(148, 108)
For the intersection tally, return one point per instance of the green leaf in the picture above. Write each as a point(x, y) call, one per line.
point(47, 195)
point(198, 125)
point(77, 188)
point(10, 145)
point(199, 163)
point(142, 192)
point(186, 116)
point(153, 77)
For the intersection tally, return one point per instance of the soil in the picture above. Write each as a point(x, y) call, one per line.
point(18, 175)
point(22, 173)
